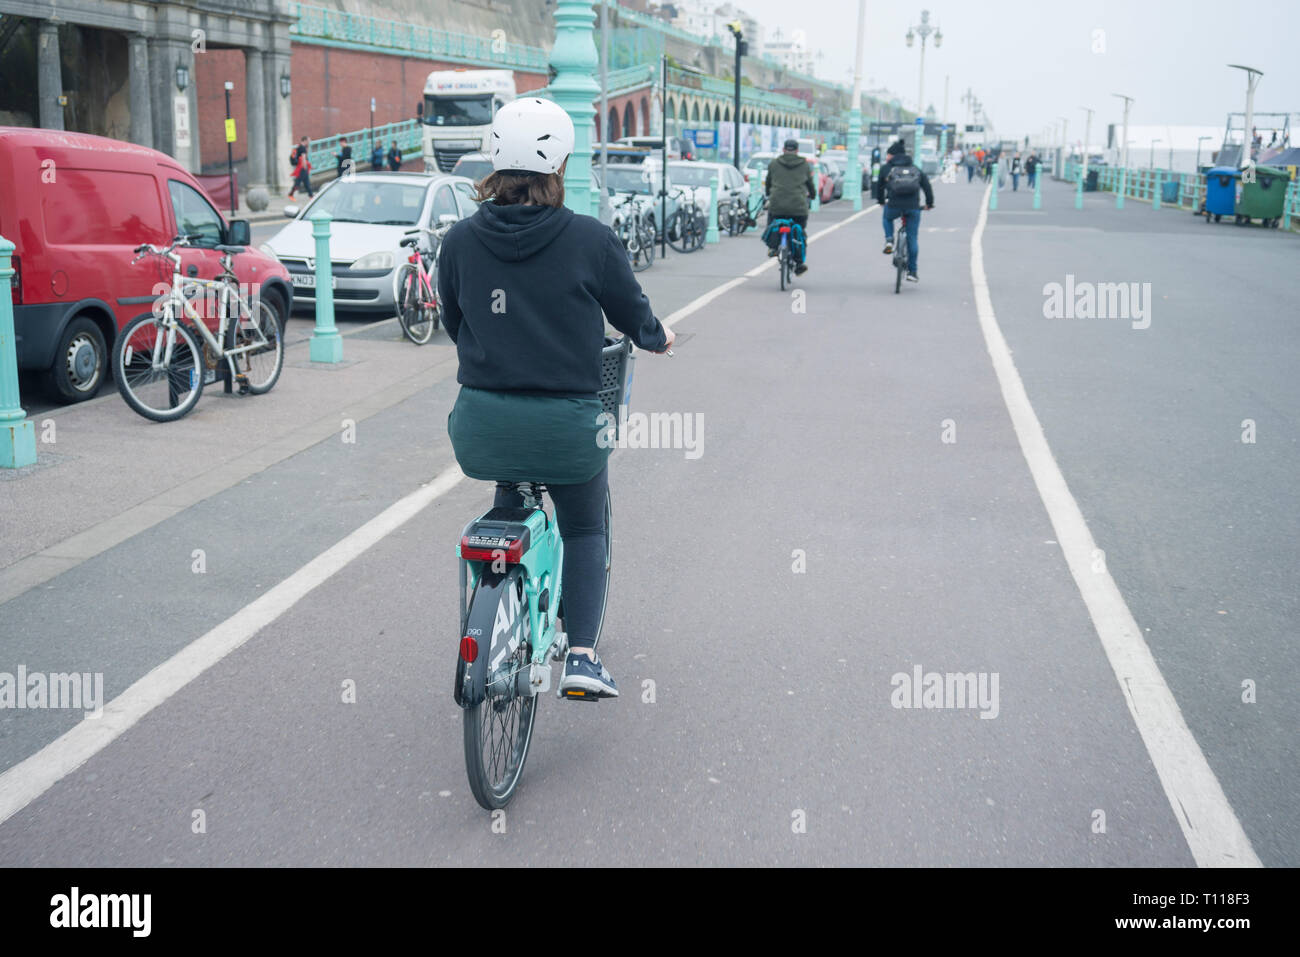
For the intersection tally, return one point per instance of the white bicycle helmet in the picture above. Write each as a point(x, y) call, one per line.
point(531, 135)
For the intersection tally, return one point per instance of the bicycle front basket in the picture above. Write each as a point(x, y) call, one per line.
point(615, 374)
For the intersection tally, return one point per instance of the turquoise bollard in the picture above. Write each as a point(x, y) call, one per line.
point(326, 343)
point(711, 234)
point(17, 435)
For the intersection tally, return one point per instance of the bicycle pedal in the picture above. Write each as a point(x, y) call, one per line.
point(577, 694)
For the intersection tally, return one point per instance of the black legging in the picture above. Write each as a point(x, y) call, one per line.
point(580, 512)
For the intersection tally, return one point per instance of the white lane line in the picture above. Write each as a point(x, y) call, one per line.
point(32, 777)
point(843, 222)
point(1210, 826)
point(700, 302)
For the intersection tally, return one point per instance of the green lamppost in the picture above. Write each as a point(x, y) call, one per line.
point(853, 178)
point(575, 88)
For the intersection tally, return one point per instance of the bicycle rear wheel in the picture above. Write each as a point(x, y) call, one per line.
point(159, 392)
point(262, 363)
point(900, 265)
point(414, 313)
point(782, 265)
point(499, 728)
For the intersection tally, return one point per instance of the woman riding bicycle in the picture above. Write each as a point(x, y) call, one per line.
point(523, 284)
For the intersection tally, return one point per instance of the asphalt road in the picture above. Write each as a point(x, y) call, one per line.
point(771, 690)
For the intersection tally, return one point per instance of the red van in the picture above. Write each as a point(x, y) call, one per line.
point(75, 206)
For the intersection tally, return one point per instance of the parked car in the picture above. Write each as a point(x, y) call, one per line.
point(371, 213)
point(756, 166)
point(76, 206)
point(643, 184)
point(475, 166)
point(678, 147)
point(619, 153)
point(836, 164)
point(695, 177)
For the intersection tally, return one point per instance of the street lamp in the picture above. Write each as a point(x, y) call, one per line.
point(1248, 133)
point(1065, 137)
point(1087, 135)
point(285, 87)
point(853, 178)
point(182, 77)
point(741, 49)
point(923, 30)
point(1198, 150)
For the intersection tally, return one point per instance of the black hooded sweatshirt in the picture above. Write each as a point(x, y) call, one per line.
point(522, 289)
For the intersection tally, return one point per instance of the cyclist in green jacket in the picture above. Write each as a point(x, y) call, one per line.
point(790, 189)
point(525, 286)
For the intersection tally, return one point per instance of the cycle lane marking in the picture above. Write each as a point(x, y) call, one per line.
point(701, 301)
point(27, 780)
point(30, 778)
point(1210, 826)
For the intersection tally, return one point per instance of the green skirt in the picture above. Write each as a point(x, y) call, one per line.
point(527, 437)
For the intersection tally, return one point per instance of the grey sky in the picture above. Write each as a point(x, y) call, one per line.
point(1032, 61)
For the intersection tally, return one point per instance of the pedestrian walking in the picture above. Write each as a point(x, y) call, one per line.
point(1016, 170)
point(970, 167)
point(1031, 170)
point(377, 157)
point(394, 157)
point(344, 157)
point(301, 169)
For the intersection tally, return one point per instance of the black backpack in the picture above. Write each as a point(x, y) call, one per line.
point(903, 181)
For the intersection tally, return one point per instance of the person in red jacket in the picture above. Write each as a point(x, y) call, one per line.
point(301, 169)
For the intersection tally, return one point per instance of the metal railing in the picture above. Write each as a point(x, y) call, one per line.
point(321, 25)
point(323, 153)
point(1141, 184)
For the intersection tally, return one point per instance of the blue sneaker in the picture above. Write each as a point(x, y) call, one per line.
point(585, 679)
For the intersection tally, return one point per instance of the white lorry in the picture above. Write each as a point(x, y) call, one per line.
point(456, 113)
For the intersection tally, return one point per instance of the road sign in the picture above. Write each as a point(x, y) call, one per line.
point(230, 131)
point(181, 121)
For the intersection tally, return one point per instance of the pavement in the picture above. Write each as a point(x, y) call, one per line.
point(862, 507)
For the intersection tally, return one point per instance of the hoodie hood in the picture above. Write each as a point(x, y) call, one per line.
point(901, 159)
point(789, 160)
point(515, 233)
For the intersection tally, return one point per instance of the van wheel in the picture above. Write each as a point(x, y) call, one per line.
point(79, 362)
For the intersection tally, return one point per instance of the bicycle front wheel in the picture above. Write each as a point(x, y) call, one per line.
point(160, 384)
point(260, 332)
point(499, 729)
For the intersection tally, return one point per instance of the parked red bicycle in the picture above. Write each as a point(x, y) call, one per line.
point(414, 285)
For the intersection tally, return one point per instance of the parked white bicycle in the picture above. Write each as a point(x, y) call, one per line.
point(158, 363)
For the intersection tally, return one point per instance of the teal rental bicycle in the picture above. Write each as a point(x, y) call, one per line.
point(512, 616)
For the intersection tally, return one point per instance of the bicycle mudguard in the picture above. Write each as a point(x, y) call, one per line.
point(493, 629)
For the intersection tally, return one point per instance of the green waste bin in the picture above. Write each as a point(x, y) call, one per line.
point(1265, 197)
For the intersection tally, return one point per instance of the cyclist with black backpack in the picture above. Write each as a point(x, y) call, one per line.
point(898, 190)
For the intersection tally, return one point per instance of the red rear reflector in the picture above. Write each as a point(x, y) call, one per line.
point(468, 649)
point(785, 229)
point(413, 258)
point(511, 554)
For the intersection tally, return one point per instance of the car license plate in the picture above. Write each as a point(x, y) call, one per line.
point(308, 280)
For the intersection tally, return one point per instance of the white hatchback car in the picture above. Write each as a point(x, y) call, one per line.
point(371, 213)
